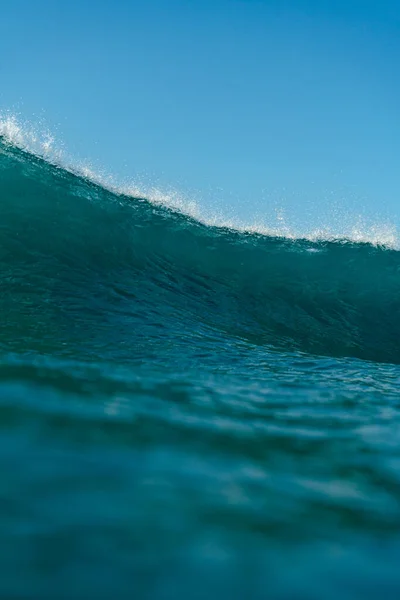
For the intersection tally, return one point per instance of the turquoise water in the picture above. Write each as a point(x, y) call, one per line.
point(188, 411)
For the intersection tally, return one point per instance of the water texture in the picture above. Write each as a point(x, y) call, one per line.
point(190, 411)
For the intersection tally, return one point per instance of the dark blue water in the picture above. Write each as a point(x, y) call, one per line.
point(189, 411)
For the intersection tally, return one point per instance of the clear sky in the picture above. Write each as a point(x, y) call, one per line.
point(247, 104)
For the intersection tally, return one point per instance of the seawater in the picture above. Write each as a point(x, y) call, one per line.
point(189, 411)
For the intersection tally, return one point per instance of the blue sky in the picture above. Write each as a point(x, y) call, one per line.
point(249, 105)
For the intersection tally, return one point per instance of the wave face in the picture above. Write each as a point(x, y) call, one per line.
point(90, 272)
point(183, 408)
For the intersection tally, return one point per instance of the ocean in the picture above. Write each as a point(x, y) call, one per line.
point(190, 411)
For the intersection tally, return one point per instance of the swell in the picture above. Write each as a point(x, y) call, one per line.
point(89, 273)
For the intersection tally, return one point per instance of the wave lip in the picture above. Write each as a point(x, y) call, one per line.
point(88, 268)
point(40, 142)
